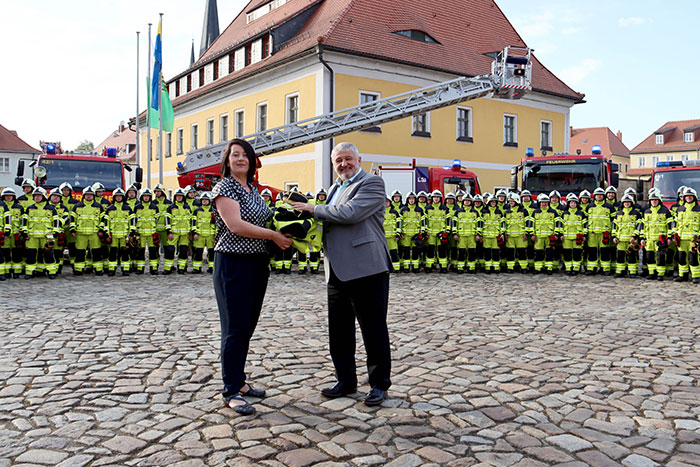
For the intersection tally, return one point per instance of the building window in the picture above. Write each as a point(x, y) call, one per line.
point(365, 98)
point(626, 167)
point(248, 54)
point(240, 122)
point(216, 71)
point(262, 117)
point(231, 62)
point(546, 135)
point(168, 144)
point(177, 88)
point(201, 77)
point(688, 137)
point(654, 160)
point(669, 158)
point(659, 139)
point(180, 140)
point(289, 186)
point(210, 131)
point(223, 128)
point(421, 125)
point(464, 124)
point(5, 165)
point(684, 157)
point(195, 134)
point(266, 46)
point(642, 162)
point(417, 35)
point(293, 108)
point(189, 83)
point(510, 131)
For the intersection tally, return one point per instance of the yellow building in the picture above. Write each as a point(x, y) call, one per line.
point(675, 141)
point(286, 60)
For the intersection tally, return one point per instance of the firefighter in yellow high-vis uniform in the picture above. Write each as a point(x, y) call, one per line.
point(178, 226)
point(40, 225)
point(203, 236)
point(14, 247)
point(147, 213)
point(120, 224)
point(87, 226)
point(63, 217)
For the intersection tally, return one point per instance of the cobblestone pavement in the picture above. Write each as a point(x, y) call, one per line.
point(498, 370)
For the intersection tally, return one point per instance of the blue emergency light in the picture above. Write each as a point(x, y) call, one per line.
point(180, 166)
point(456, 164)
point(529, 152)
point(597, 149)
point(50, 148)
point(111, 152)
point(670, 164)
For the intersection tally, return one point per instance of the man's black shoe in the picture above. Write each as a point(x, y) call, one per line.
point(375, 397)
point(339, 390)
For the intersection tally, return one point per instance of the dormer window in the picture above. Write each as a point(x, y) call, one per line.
point(263, 10)
point(417, 35)
point(659, 139)
point(688, 137)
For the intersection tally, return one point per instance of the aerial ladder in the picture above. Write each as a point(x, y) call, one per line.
point(510, 78)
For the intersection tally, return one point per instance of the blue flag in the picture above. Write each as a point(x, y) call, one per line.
point(157, 65)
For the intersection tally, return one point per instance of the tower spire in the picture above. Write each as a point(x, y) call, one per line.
point(210, 30)
point(192, 54)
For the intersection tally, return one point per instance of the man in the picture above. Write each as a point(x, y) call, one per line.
point(357, 268)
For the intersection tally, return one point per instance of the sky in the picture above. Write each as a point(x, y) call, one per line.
point(69, 67)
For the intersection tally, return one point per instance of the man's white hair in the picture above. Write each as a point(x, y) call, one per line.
point(342, 147)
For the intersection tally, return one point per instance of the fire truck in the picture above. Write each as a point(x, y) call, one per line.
point(54, 167)
point(447, 179)
point(669, 175)
point(510, 78)
point(565, 173)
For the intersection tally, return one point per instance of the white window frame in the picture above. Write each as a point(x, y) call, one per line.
point(468, 138)
point(287, 100)
point(660, 139)
point(654, 161)
point(239, 59)
point(223, 135)
point(180, 149)
point(258, 127)
point(239, 132)
point(168, 145)
point(376, 95)
point(642, 162)
point(256, 51)
point(414, 131)
point(288, 186)
point(684, 157)
point(626, 168)
point(513, 143)
point(194, 136)
point(688, 137)
point(223, 66)
point(669, 158)
point(549, 134)
point(5, 165)
point(210, 132)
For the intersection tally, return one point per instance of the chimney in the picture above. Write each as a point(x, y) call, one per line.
point(619, 135)
point(571, 131)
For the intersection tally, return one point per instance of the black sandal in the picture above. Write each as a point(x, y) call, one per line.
point(243, 409)
point(259, 393)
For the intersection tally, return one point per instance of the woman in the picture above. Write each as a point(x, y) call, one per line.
point(241, 266)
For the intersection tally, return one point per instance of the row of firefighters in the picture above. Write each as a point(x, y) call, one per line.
point(589, 232)
point(130, 232)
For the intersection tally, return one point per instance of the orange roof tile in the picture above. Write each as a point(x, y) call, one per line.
point(674, 138)
point(9, 141)
point(120, 139)
point(585, 138)
point(465, 30)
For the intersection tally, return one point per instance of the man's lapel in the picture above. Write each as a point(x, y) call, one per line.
point(351, 188)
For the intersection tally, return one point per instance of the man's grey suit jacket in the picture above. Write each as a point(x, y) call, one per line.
point(353, 229)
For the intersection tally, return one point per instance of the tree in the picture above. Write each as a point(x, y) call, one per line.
point(85, 145)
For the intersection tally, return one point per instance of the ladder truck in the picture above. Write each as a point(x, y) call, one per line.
point(510, 78)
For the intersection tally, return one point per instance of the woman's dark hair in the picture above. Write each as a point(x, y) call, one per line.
point(252, 159)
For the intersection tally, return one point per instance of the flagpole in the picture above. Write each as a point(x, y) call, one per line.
point(148, 112)
point(138, 85)
point(160, 106)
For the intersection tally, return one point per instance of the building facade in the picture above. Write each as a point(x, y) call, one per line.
point(12, 150)
point(674, 141)
point(284, 61)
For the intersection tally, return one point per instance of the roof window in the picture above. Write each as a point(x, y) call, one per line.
point(263, 10)
point(417, 35)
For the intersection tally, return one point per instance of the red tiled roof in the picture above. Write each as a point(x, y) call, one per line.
point(465, 30)
point(674, 140)
point(585, 138)
point(638, 172)
point(119, 140)
point(9, 141)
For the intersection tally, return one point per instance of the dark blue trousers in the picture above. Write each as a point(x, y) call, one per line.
point(240, 282)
